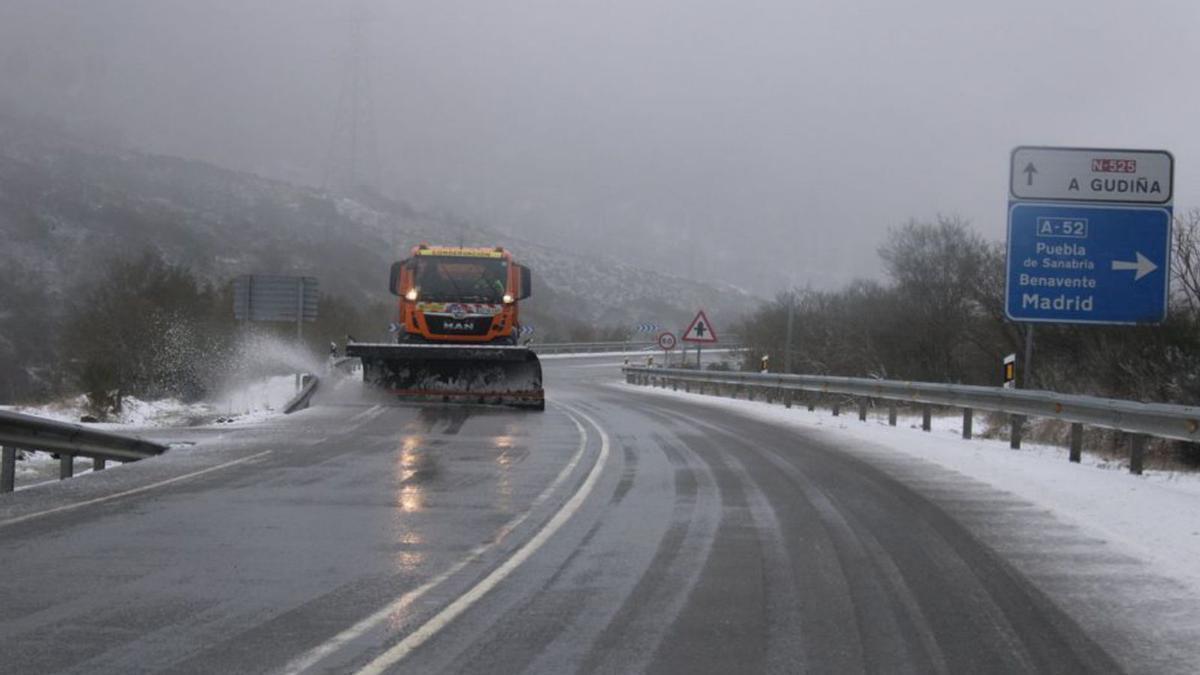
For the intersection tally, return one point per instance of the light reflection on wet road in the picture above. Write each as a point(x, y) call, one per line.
point(710, 543)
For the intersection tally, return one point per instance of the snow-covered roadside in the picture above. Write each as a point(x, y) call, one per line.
point(1154, 518)
point(249, 403)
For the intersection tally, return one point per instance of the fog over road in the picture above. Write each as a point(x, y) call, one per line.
point(616, 532)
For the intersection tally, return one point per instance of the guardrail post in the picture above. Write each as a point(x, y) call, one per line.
point(926, 417)
point(687, 386)
point(812, 402)
point(8, 469)
point(674, 384)
point(837, 408)
point(787, 398)
point(1076, 442)
point(98, 464)
point(1137, 453)
point(862, 410)
point(1015, 423)
point(750, 393)
point(66, 466)
point(968, 422)
point(891, 413)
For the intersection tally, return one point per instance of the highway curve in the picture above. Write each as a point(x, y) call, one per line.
point(619, 531)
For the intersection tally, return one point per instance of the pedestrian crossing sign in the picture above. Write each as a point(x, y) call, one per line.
point(700, 330)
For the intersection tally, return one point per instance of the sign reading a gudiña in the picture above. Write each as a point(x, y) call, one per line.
point(1089, 234)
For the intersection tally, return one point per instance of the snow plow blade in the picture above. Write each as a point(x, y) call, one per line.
point(484, 374)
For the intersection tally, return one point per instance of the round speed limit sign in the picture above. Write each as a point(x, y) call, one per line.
point(666, 341)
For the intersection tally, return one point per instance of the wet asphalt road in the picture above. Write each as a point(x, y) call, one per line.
point(617, 532)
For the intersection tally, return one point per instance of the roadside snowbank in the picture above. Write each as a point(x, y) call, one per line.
point(1154, 517)
point(135, 412)
point(252, 401)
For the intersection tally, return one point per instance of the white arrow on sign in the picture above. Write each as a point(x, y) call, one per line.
point(1142, 265)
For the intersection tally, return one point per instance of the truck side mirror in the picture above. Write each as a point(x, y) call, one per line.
point(526, 283)
point(394, 280)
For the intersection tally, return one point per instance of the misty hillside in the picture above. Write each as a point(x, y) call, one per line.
point(65, 205)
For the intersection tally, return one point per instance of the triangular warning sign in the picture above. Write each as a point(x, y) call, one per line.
point(700, 330)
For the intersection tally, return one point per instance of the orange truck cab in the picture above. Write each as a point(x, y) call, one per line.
point(459, 295)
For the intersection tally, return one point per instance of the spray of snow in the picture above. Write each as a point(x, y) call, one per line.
point(261, 375)
point(258, 378)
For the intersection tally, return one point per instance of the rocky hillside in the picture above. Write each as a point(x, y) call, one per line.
point(66, 205)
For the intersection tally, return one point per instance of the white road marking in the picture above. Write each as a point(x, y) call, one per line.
point(316, 654)
point(134, 491)
point(443, 618)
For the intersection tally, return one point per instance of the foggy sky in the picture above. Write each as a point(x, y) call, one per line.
point(782, 138)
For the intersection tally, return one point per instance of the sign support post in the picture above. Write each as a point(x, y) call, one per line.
point(666, 342)
point(1027, 369)
point(787, 346)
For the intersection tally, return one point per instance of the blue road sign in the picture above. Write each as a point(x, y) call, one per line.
point(1087, 263)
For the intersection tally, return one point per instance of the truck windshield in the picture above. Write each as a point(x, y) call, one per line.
point(461, 279)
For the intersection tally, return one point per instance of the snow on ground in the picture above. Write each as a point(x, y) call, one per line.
point(250, 401)
point(1154, 517)
point(247, 403)
point(135, 412)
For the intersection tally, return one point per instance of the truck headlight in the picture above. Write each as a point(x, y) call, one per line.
point(411, 295)
point(508, 298)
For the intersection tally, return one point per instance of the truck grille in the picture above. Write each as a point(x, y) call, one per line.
point(445, 325)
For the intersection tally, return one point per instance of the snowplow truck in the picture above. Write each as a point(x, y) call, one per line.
point(459, 325)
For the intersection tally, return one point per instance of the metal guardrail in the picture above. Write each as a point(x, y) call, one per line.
point(26, 432)
point(300, 401)
point(1141, 420)
point(586, 347)
point(583, 347)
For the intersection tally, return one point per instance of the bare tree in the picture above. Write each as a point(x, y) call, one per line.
point(1185, 263)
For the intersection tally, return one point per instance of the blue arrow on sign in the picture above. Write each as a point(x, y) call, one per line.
point(1088, 263)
